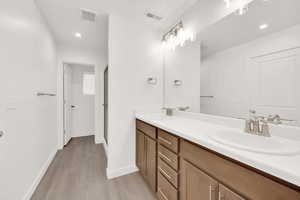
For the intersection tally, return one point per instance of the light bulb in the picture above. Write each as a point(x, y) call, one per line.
point(243, 9)
point(227, 3)
point(192, 37)
point(180, 37)
point(163, 44)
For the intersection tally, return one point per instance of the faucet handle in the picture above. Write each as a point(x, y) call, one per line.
point(276, 119)
point(169, 111)
point(265, 130)
point(248, 125)
point(183, 108)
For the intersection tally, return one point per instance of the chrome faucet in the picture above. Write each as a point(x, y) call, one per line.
point(169, 111)
point(257, 125)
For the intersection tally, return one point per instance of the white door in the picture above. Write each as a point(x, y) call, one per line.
point(83, 100)
point(2, 133)
point(275, 84)
point(67, 103)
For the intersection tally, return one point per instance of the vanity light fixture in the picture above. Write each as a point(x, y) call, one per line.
point(263, 26)
point(78, 35)
point(241, 10)
point(176, 36)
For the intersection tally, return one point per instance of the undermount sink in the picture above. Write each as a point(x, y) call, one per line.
point(258, 144)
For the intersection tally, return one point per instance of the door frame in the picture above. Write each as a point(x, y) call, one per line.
point(64, 106)
point(98, 107)
point(105, 125)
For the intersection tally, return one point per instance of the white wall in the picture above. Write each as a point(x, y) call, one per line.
point(134, 55)
point(226, 75)
point(77, 55)
point(83, 115)
point(183, 64)
point(207, 12)
point(28, 65)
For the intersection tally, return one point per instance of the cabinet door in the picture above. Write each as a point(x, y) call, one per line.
point(227, 194)
point(141, 152)
point(195, 184)
point(151, 162)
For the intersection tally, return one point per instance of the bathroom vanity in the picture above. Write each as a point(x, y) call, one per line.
point(181, 165)
point(238, 82)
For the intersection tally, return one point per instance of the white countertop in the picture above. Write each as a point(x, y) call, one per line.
point(286, 167)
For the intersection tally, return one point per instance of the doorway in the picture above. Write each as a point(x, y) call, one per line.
point(79, 101)
point(106, 105)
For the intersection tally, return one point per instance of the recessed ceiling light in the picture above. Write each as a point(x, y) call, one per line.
point(78, 35)
point(263, 26)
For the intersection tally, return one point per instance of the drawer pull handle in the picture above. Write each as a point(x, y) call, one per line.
point(165, 157)
point(165, 141)
point(211, 190)
point(164, 173)
point(221, 196)
point(162, 194)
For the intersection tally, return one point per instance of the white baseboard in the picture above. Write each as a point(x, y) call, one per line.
point(83, 135)
point(98, 140)
point(39, 177)
point(120, 172)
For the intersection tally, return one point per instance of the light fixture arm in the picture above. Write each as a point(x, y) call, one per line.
point(176, 36)
point(173, 31)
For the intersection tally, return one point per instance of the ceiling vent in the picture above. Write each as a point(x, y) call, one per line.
point(88, 15)
point(151, 15)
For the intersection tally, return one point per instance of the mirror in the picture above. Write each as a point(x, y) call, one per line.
point(241, 63)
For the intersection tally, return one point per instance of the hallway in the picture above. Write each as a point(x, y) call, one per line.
point(78, 173)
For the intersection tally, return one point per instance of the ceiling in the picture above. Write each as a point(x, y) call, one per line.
point(63, 17)
point(234, 30)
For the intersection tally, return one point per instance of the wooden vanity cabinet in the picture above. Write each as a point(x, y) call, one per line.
point(151, 162)
point(168, 166)
point(180, 170)
point(246, 182)
point(141, 152)
point(195, 184)
point(146, 151)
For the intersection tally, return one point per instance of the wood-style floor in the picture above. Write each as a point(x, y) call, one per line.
point(78, 173)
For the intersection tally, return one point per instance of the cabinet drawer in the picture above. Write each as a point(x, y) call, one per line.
point(247, 182)
point(146, 128)
point(168, 140)
point(168, 172)
point(168, 156)
point(165, 191)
